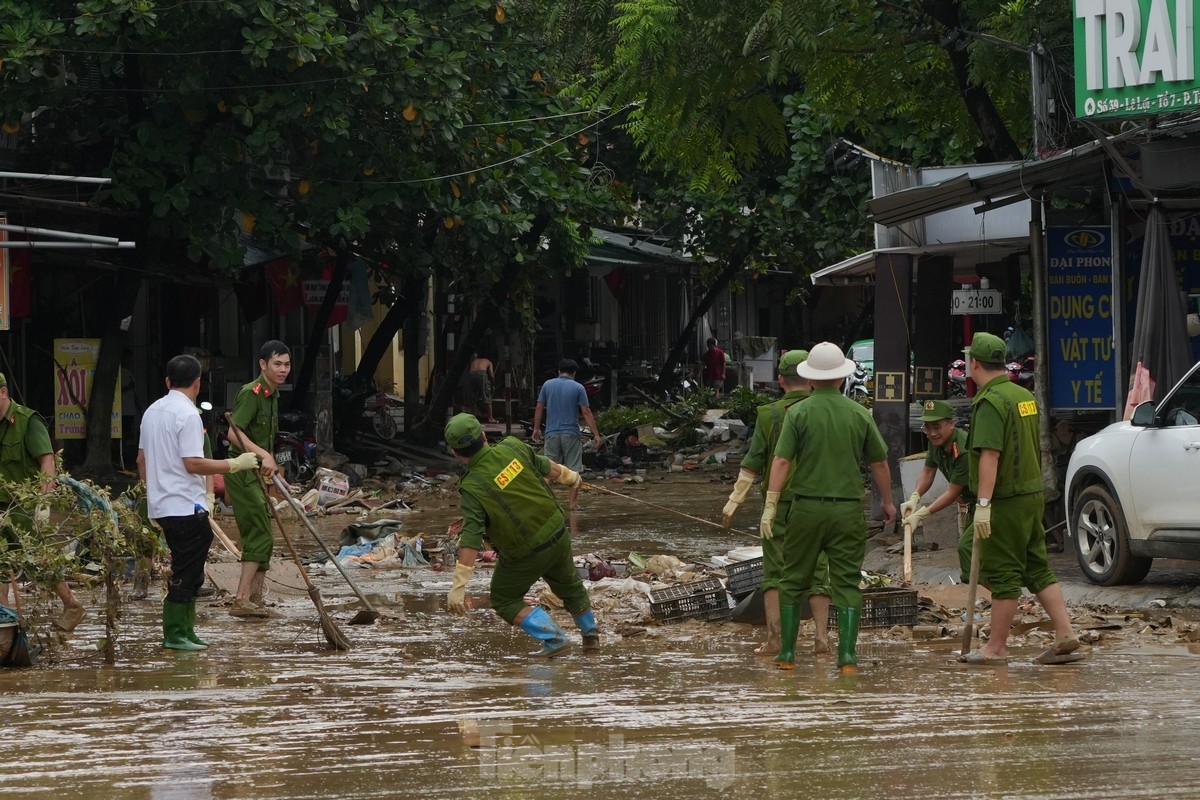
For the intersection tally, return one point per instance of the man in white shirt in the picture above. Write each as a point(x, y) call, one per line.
point(171, 461)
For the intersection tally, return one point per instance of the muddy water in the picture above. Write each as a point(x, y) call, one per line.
point(681, 711)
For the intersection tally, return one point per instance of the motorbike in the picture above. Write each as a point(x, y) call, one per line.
point(956, 378)
point(295, 449)
point(1021, 372)
point(855, 386)
point(592, 376)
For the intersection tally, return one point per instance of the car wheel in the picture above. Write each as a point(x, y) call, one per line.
point(1102, 540)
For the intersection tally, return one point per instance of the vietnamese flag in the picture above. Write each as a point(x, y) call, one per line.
point(286, 286)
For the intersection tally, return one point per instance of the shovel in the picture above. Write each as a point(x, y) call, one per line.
point(368, 614)
point(972, 588)
point(908, 534)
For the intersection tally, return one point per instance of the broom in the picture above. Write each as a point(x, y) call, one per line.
point(333, 634)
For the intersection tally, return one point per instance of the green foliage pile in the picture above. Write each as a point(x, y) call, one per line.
point(44, 553)
point(683, 415)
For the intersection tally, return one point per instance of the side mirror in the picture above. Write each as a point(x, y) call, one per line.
point(1143, 415)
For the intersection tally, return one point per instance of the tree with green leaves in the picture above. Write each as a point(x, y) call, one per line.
point(420, 134)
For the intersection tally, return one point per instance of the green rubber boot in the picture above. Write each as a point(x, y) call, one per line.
point(175, 622)
point(848, 619)
point(191, 626)
point(789, 628)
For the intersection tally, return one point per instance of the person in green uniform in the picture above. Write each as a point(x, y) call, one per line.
point(947, 454)
point(767, 426)
point(256, 412)
point(816, 472)
point(505, 499)
point(1006, 477)
point(26, 453)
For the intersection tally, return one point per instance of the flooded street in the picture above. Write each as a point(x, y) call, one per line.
point(675, 712)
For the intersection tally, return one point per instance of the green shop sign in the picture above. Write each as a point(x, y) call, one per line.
point(1135, 58)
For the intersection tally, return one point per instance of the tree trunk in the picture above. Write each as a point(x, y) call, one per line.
point(429, 429)
point(999, 142)
point(736, 261)
point(98, 462)
point(312, 347)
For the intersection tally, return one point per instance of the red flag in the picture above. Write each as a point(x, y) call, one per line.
point(286, 286)
point(618, 284)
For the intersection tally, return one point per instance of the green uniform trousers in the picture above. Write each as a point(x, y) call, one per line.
point(780, 557)
point(1015, 554)
point(512, 579)
point(836, 531)
point(244, 491)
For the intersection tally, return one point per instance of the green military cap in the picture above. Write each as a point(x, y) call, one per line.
point(987, 347)
point(934, 410)
point(462, 431)
point(790, 360)
point(3, 380)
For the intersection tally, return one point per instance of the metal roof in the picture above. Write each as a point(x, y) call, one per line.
point(860, 269)
point(1021, 179)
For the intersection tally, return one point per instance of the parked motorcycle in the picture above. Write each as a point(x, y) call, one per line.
point(956, 378)
point(295, 448)
point(1021, 372)
point(855, 386)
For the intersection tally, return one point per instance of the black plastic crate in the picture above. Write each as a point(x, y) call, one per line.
point(744, 577)
point(703, 599)
point(885, 607)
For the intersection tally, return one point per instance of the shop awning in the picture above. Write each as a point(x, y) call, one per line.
point(860, 269)
point(1020, 180)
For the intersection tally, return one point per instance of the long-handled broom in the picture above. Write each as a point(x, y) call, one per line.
point(368, 614)
point(333, 634)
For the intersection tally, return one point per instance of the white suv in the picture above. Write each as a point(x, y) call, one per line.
point(1133, 489)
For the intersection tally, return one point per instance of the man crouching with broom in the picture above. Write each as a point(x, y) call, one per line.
point(505, 499)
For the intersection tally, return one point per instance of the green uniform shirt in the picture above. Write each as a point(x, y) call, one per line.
point(1005, 418)
point(826, 438)
point(953, 462)
point(23, 440)
point(767, 426)
point(506, 500)
point(256, 412)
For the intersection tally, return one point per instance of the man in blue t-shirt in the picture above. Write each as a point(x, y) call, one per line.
point(562, 400)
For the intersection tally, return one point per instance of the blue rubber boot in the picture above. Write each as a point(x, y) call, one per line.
point(539, 625)
point(588, 630)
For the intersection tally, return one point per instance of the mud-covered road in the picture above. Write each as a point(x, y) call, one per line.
point(675, 712)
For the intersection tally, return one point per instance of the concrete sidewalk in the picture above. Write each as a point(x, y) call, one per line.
point(1173, 583)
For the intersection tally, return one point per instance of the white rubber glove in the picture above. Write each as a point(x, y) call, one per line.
point(41, 516)
point(741, 488)
point(567, 477)
point(917, 517)
point(983, 522)
point(910, 505)
point(766, 524)
point(456, 601)
point(242, 463)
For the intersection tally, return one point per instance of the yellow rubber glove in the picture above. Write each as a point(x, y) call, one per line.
point(917, 517)
point(741, 488)
point(456, 601)
point(567, 477)
point(766, 524)
point(983, 522)
point(910, 505)
point(242, 463)
point(210, 500)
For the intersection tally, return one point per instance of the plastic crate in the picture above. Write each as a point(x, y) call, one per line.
point(883, 608)
point(744, 577)
point(704, 599)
